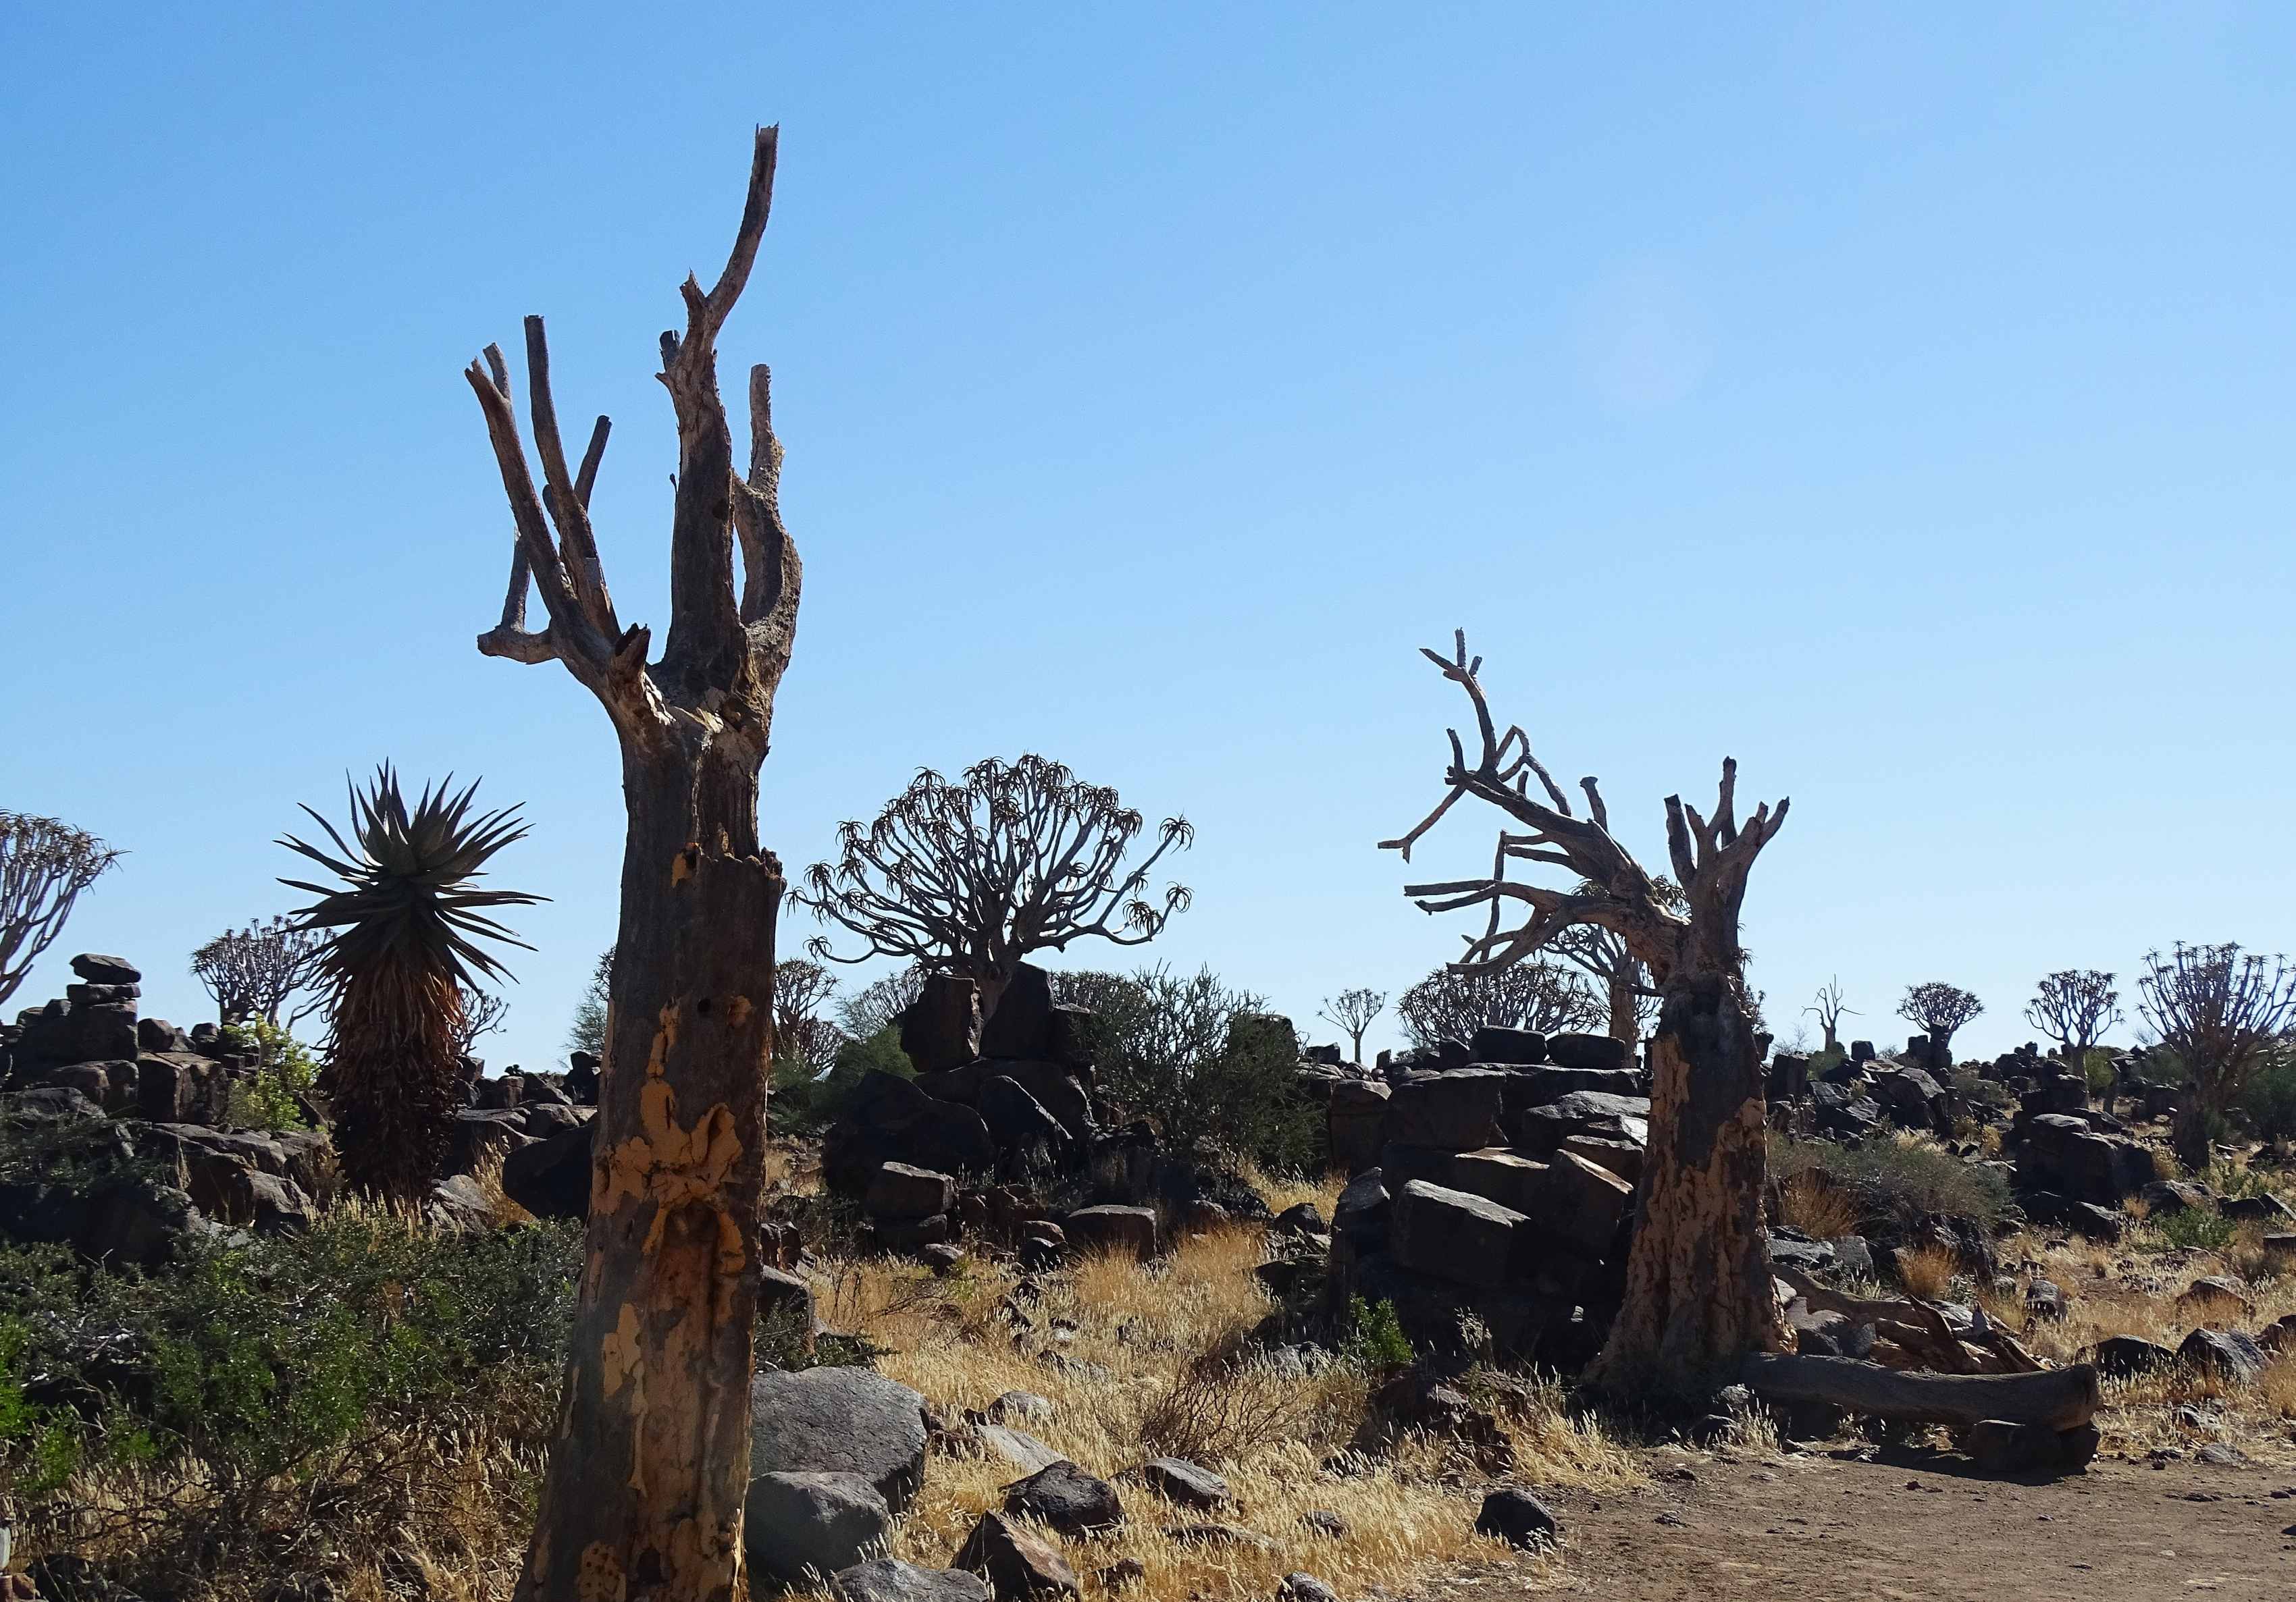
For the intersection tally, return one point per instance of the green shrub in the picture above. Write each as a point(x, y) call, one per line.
point(284, 1071)
point(1374, 1340)
point(1895, 1181)
point(802, 1104)
point(2196, 1227)
point(2096, 1067)
point(1205, 1064)
point(2269, 1101)
point(258, 1381)
point(1981, 1092)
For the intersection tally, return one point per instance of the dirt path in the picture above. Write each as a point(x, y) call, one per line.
point(1909, 1529)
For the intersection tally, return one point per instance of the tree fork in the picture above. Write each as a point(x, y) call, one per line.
point(644, 1491)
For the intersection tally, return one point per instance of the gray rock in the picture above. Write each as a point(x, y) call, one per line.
point(2227, 1353)
point(889, 1580)
point(1305, 1588)
point(1518, 1519)
point(1021, 1450)
point(841, 1420)
point(1020, 1404)
point(1189, 1485)
point(820, 1522)
point(1062, 1497)
point(1457, 1111)
point(1124, 1230)
point(96, 969)
point(1587, 1051)
point(2122, 1356)
point(1018, 1566)
point(1453, 1236)
point(1210, 1535)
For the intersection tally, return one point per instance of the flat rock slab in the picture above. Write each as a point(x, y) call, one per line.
point(841, 1420)
point(1063, 1497)
point(889, 1580)
point(1189, 1485)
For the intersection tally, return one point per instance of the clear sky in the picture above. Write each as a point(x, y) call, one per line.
point(1898, 400)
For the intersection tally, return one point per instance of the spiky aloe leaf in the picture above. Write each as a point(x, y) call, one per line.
point(408, 897)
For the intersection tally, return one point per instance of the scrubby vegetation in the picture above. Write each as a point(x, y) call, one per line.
point(1888, 1186)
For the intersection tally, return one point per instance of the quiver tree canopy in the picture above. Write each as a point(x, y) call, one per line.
point(2074, 1007)
point(1699, 1295)
point(1939, 1008)
point(1452, 1003)
point(251, 972)
point(44, 864)
point(2225, 1013)
point(973, 876)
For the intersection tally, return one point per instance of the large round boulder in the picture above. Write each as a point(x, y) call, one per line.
point(839, 1420)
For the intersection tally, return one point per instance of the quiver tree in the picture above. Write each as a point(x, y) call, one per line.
point(1940, 1009)
point(879, 1004)
point(1630, 999)
point(482, 1015)
point(1452, 1003)
point(2074, 1007)
point(2225, 1014)
point(1830, 1012)
point(1699, 1295)
point(400, 960)
point(1353, 1010)
point(644, 1493)
point(251, 972)
point(971, 877)
point(44, 864)
point(803, 1038)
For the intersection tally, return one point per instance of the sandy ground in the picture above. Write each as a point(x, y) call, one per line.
point(1912, 1527)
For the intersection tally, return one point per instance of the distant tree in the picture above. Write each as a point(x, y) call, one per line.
point(401, 957)
point(251, 972)
point(2226, 1014)
point(2074, 1007)
point(974, 877)
point(881, 1002)
point(482, 1015)
point(802, 1037)
point(44, 864)
point(1604, 956)
point(1353, 1011)
point(1940, 1009)
point(1830, 1012)
point(587, 1032)
point(1452, 1003)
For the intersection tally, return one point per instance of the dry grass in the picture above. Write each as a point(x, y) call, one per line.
point(1926, 1273)
point(1148, 1362)
point(2133, 1289)
point(1812, 1203)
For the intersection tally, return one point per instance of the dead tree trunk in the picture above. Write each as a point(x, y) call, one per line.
point(1699, 1297)
point(1626, 1006)
point(644, 1491)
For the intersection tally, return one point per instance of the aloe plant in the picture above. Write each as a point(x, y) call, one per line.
point(406, 920)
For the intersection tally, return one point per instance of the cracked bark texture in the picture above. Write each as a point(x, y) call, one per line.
point(644, 1491)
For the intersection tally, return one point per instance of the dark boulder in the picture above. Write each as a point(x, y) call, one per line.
point(1588, 1052)
point(1064, 1498)
point(551, 1179)
point(1518, 1519)
point(1493, 1043)
point(839, 1420)
point(1021, 1027)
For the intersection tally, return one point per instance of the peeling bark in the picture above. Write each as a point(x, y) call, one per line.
point(644, 1491)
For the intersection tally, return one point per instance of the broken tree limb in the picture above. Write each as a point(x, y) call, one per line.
point(2060, 1398)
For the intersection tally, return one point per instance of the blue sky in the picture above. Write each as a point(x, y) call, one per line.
point(1898, 400)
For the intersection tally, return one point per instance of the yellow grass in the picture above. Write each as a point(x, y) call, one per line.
point(1167, 1336)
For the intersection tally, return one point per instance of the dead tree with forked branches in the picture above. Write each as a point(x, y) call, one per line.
point(2074, 1007)
point(1699, 1295)
point(643, 1496)
point(1829, 1012)
point(44, 864)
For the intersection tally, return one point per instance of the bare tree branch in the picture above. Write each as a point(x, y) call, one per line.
point(44, 864)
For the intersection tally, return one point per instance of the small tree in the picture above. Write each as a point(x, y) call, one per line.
point(1699, 1297)
point(2074, 1007)
point(1602, 956)
point(251, 972)
point(803, 1039)
point(44, 864)
point(1830, 1012)
point(1353, 1011)
point(482, 1015)
point(974, 877)
point(1201, 1060)
point(2226, 1015)
point(880, 1004)
point(587, 1032)
point(1939, 1008)
point(1452, 1003)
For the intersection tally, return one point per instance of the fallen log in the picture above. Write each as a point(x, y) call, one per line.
point(2061, 1399)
